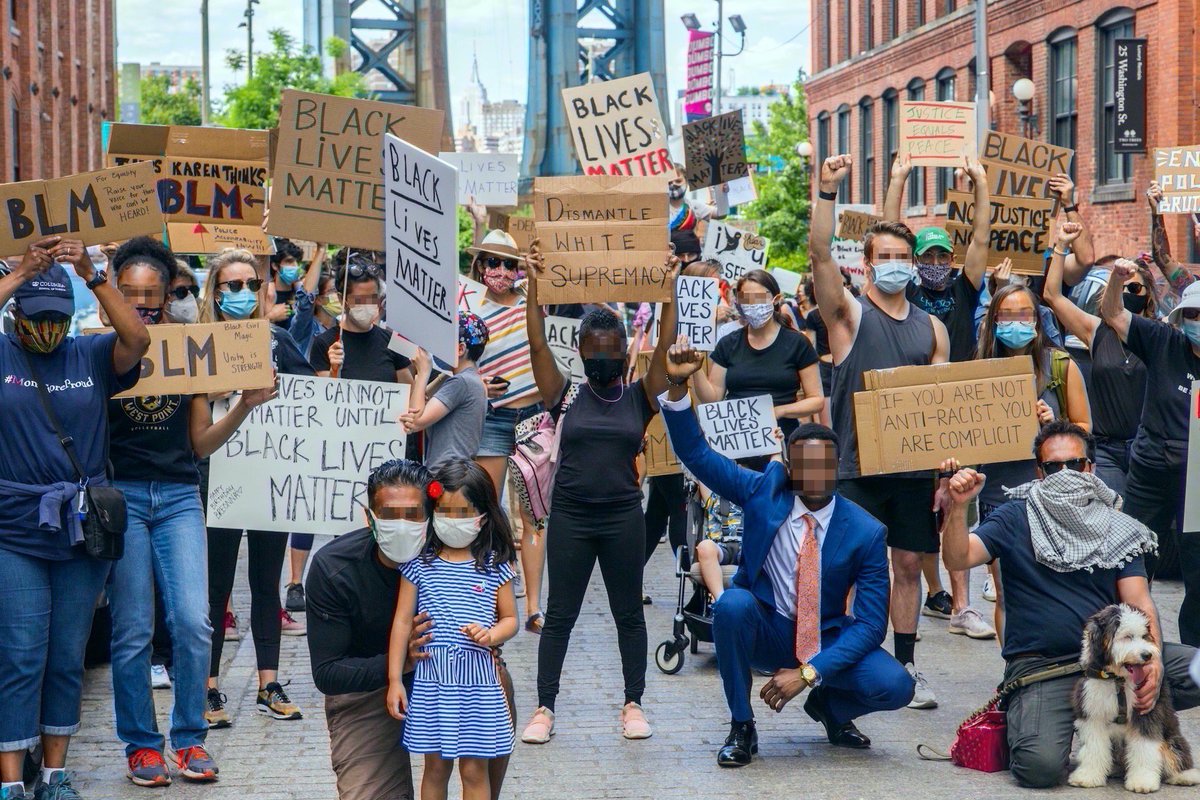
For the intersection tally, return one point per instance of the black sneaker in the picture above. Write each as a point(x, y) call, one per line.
point(938, 605)
point(295, 597)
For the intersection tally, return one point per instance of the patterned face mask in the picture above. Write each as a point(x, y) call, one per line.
point(42, 335)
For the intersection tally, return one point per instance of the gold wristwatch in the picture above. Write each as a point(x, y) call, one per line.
point(808, 673)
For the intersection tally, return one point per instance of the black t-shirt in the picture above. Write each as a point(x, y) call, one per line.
point(1045, 609)
point(367, 357)
point(1118, 386)
point(151, 440)
point(955, 307)
point(772, 370)
point(817, 325)
point(1171, 366)
point(286, 355)
point(599, 445)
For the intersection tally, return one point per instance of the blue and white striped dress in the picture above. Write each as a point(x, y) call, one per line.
point(457, 707)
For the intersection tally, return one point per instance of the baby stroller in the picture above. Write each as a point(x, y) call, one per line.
point(693, 616)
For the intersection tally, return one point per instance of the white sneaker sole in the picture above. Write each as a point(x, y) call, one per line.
point(303, 632)
point(276, 715)
point(973, 634)
point(535, 740)
point(923, 705)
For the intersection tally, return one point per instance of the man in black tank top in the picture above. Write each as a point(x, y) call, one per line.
point(880, 330)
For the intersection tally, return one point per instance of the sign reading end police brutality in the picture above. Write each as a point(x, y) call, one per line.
point(300, 463)
point(740, 428)
point(617, 127)
point(422, 248)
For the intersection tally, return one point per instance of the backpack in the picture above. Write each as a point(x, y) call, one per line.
point(1058, 378)
point(535, 459)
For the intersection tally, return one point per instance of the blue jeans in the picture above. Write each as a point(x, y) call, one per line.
point(165, 542)
point(46, 610)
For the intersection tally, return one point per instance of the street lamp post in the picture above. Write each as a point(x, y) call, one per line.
point(1024, 90)
point(204, 107)
point(249, 26)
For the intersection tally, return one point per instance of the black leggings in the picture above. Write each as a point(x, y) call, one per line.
point(666, 510)
point(267, 549)
point(579, 535)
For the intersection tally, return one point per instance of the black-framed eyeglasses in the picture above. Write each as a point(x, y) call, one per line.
point(1190, 313)
point(236, 285)
point(495, 262)
point(180, 292)
point(1134, 288)
point(358, 270)
point(1074, 464)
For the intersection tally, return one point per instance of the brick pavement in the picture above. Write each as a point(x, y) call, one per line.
point(268, 760)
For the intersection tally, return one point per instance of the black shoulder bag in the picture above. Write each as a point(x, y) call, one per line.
point(103, 512)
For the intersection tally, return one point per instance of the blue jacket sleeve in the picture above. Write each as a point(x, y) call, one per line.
point(303, 323)
point(718, 473)
point(870, 623)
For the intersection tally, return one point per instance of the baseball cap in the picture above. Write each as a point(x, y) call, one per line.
point(48, 291)
point(1190, 299)
point(932, 237)
point(472, 330)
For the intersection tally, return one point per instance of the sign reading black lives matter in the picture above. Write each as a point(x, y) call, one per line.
point(714, 150)
point(422, 248)
point(300, 463)
point(740, 428)
point(1129, 96)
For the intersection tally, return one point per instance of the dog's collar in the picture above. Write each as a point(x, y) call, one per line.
point(1122, 708)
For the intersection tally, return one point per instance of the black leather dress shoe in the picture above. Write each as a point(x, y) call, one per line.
point(740, 745)
point(846, 735)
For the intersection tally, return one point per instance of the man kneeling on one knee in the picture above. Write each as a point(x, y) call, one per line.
point(803, 549)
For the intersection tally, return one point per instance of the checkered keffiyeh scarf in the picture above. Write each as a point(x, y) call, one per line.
point(1076, 523)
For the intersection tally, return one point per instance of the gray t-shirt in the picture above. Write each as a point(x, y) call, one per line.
point(457, 435)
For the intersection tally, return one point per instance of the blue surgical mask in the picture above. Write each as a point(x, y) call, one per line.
point(1016, 335)
point(238, 305)
point(1191, 329)
point(893, 277)
point(290, 275)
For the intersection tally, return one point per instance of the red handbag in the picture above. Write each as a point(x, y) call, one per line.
point(982, 740)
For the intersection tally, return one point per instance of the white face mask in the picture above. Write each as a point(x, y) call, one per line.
point(399, 540)
point(458, 532)
point(363, 316)
point(184, 311)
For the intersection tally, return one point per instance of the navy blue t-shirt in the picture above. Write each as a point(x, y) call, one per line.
point(1045, 610)
point(80, 377)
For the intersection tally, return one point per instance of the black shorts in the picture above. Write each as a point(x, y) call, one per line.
point(903, 505)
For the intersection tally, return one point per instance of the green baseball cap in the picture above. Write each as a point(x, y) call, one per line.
point(932, 237)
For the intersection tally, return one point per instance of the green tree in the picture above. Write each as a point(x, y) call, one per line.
point(255, 104)
point(783, 205)
point(162, 107)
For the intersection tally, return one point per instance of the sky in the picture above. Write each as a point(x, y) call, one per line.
point(777, 38)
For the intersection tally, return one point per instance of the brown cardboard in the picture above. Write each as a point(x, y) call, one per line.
point(1177, 170)
point(605, 277)
point(326, 178)
point(611, 201)
point(108, 205)
point(522, 231)
point(937, 134)
point(854, 225)
point(660, 456)
point(912, 418)
point(1025, 247)
point(1028, 155)
point(714, 150)
point(617, 127)
point(212, 237)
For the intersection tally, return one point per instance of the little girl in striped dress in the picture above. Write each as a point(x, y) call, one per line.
point(463, 580)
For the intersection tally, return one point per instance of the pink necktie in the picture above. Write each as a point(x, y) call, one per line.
point(808, 594)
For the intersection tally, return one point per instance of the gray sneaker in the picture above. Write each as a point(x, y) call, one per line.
point(923, 697)
point(295, 597)
point(14, 793)
point(59, 788)
point(968, 622)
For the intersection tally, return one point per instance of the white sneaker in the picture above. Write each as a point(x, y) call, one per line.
point(968, 622)
point(159, 679)
point(989, 589)
point(519, 584)
point(923, 697)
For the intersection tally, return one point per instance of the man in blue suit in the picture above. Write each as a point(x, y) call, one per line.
point(787, 610)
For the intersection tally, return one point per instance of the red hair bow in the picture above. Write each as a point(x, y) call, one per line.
point(434, 490)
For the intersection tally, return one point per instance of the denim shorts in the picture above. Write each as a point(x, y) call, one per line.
point(499, 429)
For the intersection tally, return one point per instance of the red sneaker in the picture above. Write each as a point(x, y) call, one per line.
point(148, 768)
point(196, 764)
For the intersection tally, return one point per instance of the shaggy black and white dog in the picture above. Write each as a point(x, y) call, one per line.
point(1117, 648)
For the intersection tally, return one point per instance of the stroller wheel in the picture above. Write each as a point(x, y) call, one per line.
point(695, 645)
point(667, 658)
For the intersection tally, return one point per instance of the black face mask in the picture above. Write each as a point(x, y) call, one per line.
point(1135, 303)
point(603, 371)
point(150, 316)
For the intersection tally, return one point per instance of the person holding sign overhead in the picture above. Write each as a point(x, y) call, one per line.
point(155, 443)
point(879, 330)
point(596, 505)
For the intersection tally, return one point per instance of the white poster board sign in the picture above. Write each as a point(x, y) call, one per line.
point(421, 240)
point(789, 282)
point(740, 428)
point(562, 334)
point(487, 179)
point(697, 310)
point(1191, 505)
point(737, 251)
point(470, 294)
point(741, 191)
point(300, 463)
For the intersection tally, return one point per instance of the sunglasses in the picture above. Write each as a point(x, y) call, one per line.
point(236, 285)
point(1134, 288)
point(369, 270)
point(181, 292)
point(494, 262)
point(1074, 464)
point(1190, 313)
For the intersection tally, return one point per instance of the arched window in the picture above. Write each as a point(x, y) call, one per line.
point(1063, 101)
point(822, 138)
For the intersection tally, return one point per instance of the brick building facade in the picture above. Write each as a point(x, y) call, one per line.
point(869, 54)
point(57, 83)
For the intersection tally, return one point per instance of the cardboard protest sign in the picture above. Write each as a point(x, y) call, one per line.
point(738, 252)
point(617, 127)
point(697, 310)
point(912, 418)
point(660, 456)
point(1020, 229)
point(206, 177)
point(562, 334)
point(714, 150)
point(604, 238)
point(489, 179)
point(108, 205)
point(1019, 167)
point(1191, 505)
point(747, 225)
point(1177, 170)
point(300, 463)
point(854, 225)
point(937, 134)
point(520, 228)
point(327, 173)
point(206, 358)
point(740, 428)
point(422, 248)
point(854, 220)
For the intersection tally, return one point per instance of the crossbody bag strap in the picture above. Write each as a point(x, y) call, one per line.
point(1037, 677)
point(66, 441)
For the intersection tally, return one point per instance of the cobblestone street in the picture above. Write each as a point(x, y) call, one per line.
point(269, 760)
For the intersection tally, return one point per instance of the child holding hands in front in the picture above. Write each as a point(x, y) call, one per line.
point(463, 580)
